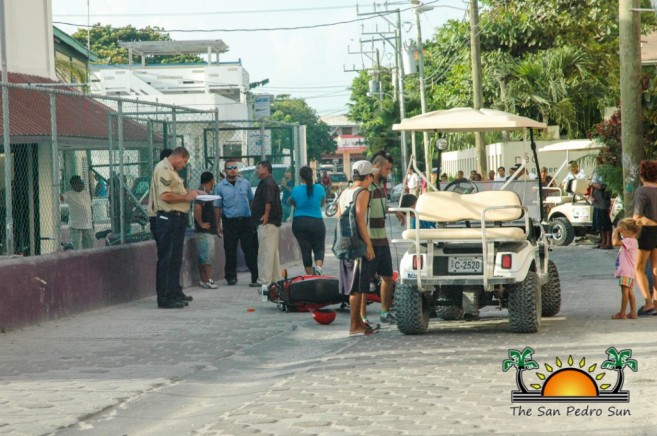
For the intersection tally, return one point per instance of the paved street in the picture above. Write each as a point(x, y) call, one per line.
point(216, 369)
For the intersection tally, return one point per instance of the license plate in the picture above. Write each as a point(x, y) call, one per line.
point(465, 265)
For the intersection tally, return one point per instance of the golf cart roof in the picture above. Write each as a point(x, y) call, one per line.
point(465, 119)
point(574, 145)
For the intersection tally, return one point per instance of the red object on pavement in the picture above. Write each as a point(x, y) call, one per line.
point(324, 316)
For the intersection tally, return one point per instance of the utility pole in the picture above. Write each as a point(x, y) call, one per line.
point(423, 90)
point(630, 72)
point(398, 48)
point(477, 92)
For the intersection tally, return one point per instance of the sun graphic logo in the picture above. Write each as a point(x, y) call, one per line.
point(572, 383)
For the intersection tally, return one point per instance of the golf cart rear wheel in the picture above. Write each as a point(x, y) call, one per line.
point(525, 305)
point(412, 310)
point(551, 292)
point(449, 313)
point(562, 231)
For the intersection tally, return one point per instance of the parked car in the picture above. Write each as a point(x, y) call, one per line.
point(339, 183)
point(395, 193)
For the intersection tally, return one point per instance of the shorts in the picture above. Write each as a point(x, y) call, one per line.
point(381, 265)
point(626, 281)
point(648, 238)
point(205, 245)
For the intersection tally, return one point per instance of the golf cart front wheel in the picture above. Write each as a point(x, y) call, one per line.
point(449, 313)
point(551, 292)
point(563, 233)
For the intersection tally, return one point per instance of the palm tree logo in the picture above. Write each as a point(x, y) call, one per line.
point(522, 361)
point(572, 383)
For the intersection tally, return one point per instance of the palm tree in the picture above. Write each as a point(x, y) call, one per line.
point(69, 72)
point(618, 361)
point(545, 84)
point(522, 361)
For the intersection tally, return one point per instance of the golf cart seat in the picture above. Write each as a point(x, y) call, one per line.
point(490, 208)
point(577, 186)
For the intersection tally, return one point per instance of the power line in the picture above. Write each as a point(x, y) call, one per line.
point(179, 14)
point(261, 29)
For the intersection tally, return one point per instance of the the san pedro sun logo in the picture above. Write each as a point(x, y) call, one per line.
point(575, 382)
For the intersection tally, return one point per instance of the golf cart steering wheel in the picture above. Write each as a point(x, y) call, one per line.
point(462, 186)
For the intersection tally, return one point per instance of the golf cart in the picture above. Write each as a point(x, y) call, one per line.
point(488, 247)
point(570, 213)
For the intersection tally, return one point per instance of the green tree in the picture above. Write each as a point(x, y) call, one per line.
point(376, 113)
point(296, 110)
point(68, 71)
point(105, 43)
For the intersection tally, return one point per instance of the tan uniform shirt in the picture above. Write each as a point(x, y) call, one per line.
point(166, 179)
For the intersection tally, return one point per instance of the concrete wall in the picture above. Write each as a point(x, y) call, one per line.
point(41, 288)
point(30, 45)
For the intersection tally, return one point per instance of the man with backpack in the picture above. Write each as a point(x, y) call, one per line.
point(353, 245)
point(381, 264)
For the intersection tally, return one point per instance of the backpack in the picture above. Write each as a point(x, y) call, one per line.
point(348, 244)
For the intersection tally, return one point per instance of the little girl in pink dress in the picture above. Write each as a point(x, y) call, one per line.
point(625, 264)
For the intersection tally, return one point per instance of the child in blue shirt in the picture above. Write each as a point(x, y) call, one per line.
point(410, 200)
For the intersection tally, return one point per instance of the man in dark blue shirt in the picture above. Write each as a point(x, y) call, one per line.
point(233, 217)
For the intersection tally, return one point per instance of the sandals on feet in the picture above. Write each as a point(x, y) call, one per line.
point(618, 316)
point(646, 312)
point(631, 315)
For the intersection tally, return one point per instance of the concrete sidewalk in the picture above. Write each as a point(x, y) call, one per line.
point(214, 368)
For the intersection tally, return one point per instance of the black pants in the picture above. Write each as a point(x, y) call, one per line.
point(170, 238)
point(240, 230)
point(310, 233)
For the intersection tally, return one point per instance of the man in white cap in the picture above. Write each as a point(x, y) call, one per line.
point(349, 274)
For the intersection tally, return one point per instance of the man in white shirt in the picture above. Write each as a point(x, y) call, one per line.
point(413, 182)
point(575, 173)
point(501, 175)
point(80, 222)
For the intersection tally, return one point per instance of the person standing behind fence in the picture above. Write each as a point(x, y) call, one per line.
point(287, 184)
point(307, 224)
point(205, 225)
point(80, 219)
point(233, 217)
point(267, 212)
point(171, 201)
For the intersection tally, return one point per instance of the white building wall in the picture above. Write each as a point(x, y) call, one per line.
point(30, 45)
point(510, 154)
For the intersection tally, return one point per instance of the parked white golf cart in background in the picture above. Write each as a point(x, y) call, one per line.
point(570, 214)
point(488, 248)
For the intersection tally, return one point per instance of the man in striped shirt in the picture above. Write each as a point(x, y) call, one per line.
point(382, 263)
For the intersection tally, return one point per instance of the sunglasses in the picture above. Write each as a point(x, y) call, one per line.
point(231, 167)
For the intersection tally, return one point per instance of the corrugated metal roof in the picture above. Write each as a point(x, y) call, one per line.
point(77, 116)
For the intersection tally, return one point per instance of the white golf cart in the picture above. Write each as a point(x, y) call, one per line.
point(488, 248)
point(570, 212)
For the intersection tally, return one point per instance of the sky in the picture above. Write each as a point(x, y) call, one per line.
point(308, 63)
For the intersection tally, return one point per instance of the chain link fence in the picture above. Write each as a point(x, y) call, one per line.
point(70, 152)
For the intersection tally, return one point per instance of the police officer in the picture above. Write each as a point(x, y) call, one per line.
point(233, 217)
point(171, 201)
